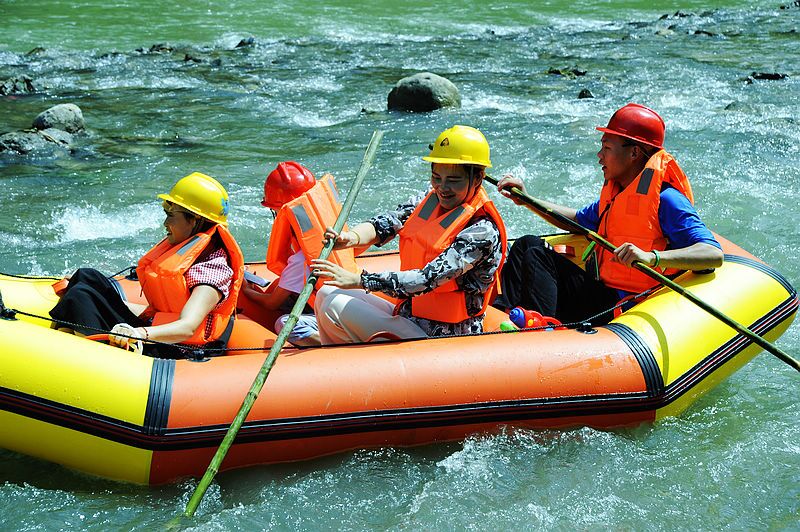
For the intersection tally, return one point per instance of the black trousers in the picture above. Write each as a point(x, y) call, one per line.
point(92, 302)
point(535, 277)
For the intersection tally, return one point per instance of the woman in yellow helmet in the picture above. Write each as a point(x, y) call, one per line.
point(191, 279)
point(452, 244)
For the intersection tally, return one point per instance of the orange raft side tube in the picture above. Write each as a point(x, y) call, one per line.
point(323, 401)
point(327, 400)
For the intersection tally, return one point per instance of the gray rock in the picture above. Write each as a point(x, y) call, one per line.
point(65, 116)
point(423, 92)
point(57, 136)
point(40, 143)
point(20, 85)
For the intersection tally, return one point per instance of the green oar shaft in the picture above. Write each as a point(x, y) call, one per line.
point(302, 299)
point(647, 270)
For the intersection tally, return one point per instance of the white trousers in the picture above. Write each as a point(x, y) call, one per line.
point(347, 316)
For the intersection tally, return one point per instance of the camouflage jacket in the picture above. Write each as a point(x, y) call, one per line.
point(471, 260)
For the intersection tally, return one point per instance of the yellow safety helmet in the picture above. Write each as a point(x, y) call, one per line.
point(460, 145)
point(202, 195)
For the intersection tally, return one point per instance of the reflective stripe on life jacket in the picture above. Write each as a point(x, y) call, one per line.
point(161, 274)
point(428, 232)
point(631, 215)
point(301, 224)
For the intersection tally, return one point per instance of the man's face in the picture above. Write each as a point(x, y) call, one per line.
point(615, 157)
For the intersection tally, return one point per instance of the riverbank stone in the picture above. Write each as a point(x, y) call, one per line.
point(65, 116)
point(422, 93)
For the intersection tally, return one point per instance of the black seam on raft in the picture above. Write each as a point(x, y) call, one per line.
point(654, 380)
point(156, 412)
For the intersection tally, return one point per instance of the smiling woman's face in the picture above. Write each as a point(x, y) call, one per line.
point(179, 226)
point(451, 184)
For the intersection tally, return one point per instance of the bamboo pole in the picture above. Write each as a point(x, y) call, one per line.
point(258, 383)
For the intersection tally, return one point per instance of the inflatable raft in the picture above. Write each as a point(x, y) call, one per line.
point(120, 415)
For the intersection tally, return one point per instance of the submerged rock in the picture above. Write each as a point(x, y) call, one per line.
point(249, 41)
point(423, 92)
point(584, 94)
point(567, 72)
point(20, 85)
point(41, 143)
point(770, 76)
point(157, 48)
point(677, 14)
point(65, 116)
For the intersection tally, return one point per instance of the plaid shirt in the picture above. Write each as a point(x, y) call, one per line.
point(215, 272)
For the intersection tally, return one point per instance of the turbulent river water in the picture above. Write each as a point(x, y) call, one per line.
point(312, 86)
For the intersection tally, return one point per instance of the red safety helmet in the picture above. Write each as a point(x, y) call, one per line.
point(637, 122)
point(288, 181)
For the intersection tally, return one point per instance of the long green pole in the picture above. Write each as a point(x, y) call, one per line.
point(647, 270)
point(258, 383)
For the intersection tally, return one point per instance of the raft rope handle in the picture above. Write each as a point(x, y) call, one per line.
point(202, 350)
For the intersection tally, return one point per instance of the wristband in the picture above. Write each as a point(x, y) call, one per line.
point(658, 258)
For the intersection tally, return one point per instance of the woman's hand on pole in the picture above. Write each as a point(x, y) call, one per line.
point(343, 240)
point(338, 276)
point(507, 183)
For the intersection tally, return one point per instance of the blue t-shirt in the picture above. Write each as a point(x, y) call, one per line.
point(680, 223)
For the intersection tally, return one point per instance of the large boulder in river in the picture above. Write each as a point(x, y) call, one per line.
point(65, 116)
point(423, 92)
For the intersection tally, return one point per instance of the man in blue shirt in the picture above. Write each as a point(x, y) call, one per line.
point(645, 209)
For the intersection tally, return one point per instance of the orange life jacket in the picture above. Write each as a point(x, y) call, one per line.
point(300, 224)
point(161, 271)
point(428, 232)
point(631, 215)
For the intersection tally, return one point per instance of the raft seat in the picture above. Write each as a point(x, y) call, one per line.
point(249, 333)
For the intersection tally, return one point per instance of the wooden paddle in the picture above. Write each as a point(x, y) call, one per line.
point(653, 274)
point(258, 383)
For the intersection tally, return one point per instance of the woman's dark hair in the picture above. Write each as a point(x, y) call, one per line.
point(203, 224)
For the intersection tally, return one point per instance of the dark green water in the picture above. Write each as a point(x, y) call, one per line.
point(312, 87)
